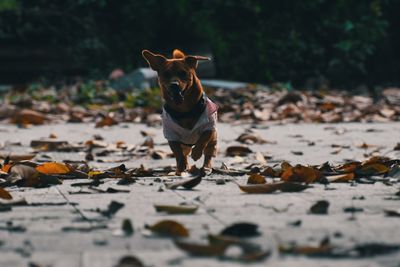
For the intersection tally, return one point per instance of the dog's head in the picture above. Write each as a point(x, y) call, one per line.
point(175, 75)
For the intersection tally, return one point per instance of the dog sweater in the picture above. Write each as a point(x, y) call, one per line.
point(174, 132)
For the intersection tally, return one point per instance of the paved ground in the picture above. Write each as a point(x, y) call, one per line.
point(44, 241)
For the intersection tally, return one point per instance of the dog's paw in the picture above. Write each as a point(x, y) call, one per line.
point(196, 153)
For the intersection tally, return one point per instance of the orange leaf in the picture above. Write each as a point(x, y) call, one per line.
point(6, 167)
point(301, 174)
point(106, 121)
point(349, 167)
point(53, 168)
point(4, 194)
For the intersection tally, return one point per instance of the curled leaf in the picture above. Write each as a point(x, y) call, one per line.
point(169, 228)
point(178, 209)
point(272, 187)
point(187, 183)
point(238, 151)
point(201, 249)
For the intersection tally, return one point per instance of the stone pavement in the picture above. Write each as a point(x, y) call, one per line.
point(51, 236)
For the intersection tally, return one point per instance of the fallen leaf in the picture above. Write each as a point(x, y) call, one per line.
point(297, 153)
point(53, 168)
point(272, 187)
point(185, 183)
point(233, 151)
point(348, 167)
point(256, 178)
point(341, 178)
point(372, 169)
point(392, 213)
point(301, 174)
point(307, 250)
point(112, 208)
point(27, 116)
point(248, 138)
point(24, 175)
point(4, 194)
point(16, 157)
point(129, 261)
point(106, 121)
point(241, 230)
point(201, 249)
point(169, 228)
point(178, 209)
point(320, 207)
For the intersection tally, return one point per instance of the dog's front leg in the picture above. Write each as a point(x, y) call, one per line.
point(202, 143)
point(180, 153)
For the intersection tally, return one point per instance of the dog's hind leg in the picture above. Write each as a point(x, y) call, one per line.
point(210, 151)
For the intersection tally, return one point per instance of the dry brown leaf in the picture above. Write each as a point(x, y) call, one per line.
point(53, 168)
point(301, 174)
point(238, 151)
point(256, 178)
point(169, 228)
point(348, 167)
point(106, 121)
point(269, 171)
point(17, 157)
point(270, 188)
point(307, 250)
point(177, 209)
point(248, 138)
point(186, 183)
point(202, 249)
point(285, 166)
point(373, 169)
point(4, 194)
point(27, 116)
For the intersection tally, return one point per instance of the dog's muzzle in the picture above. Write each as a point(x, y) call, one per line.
point(177, 93)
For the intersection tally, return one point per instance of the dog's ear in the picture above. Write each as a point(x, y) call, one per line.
point(155, 61)
point(178, 54)
point(192, 61)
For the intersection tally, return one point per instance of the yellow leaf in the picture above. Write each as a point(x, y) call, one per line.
point(53, 168)
point(92, 174)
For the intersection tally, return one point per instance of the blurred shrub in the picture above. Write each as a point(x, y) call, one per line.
point(345, 41)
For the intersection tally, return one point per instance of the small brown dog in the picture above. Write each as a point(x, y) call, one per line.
point(189, 117)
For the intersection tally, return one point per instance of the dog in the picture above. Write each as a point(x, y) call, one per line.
point(189, 117)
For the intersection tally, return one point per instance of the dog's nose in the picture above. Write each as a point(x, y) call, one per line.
point(177, 94)
point(174, 87)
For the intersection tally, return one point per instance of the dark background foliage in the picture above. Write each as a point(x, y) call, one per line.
point(347, 42)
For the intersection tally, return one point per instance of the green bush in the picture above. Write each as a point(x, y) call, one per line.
point(346, 41)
